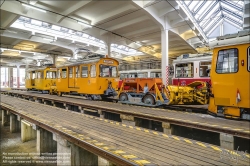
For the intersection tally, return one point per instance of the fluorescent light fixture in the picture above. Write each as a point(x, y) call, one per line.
point(73, 41)
point(85, 24)
point(138, 44)
point(32, 7)
point(48, 39)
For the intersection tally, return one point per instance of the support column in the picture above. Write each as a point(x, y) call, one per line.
point(14, 124)
point(1, 114)
point(167, 128)
point(18, 76)
point(80, 156)
point(10, 72)
point(227, 141)
point(5, 80)
point(63, 151)
point(128, 120)
point(54, 57)
point(164, 53)
point(5, 118)
point(109, 49)
point(103, 162)
point(45, 142)
point(27, 132)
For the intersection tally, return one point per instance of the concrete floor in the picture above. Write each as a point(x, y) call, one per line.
point(11, 143)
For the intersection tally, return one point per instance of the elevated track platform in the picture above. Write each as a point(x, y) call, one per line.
point(120, 143)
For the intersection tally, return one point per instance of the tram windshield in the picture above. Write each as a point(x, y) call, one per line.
point(108, 71)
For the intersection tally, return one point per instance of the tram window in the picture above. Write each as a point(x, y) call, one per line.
point(77, 72)
point(70, 72)
point(53, 74)
point(49, 74)
point(39, 75)
point(33, 75)
point(248, 59)
point(58, 74)
point(92, 71)
point(84, 71)
point(64, 73)
point(203, 69)
point(184, 70)
point(227, 61)
point(108, 71)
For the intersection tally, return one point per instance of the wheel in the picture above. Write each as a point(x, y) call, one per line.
point(148, 99)
point(123, 97)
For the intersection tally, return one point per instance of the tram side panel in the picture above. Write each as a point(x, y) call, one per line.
point(230, 78)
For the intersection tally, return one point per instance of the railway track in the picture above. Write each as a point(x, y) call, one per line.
point(192, 120)
point(186, 108)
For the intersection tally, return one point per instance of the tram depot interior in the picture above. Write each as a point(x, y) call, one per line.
point(128, 82)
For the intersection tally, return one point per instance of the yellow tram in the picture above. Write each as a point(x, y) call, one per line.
point(95, 78)
point(230, 77)
point(40, 79)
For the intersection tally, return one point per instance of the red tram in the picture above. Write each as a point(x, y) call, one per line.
point(191, 67)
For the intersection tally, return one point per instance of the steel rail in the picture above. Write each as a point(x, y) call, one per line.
point(237, 133)
point(96, 150)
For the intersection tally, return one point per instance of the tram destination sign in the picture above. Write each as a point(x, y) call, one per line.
point(108, 61)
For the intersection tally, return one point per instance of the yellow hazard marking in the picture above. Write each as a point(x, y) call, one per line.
point(155, 133)
point(247, 131)
point(131, 127)
point(201, 144)
point(142, 161)
point(129, 156)
point(214, 125)
point(91, 116)
point(164, 135)
point(117, 123)
point(146, 130)
point(215, 148)
point(225, 127)
point(106, 120)
point(100, 119)
point(186, 140)
point(99, 144)
point(119, 151)
point(137, 128)
point(124, 125)
point(105, 147)
point(248, 155)
point(194, 122)
point(112, 122)
point(232, 152)
point(176, 138)
point(237, 129)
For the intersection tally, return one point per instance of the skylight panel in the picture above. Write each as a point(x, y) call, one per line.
point(230, 8)
point(85, 35)
point(193, 5)
point(35, 22)
point(212, 12)
point(232, 23)
point(187, 2)
point(197, 6)
point(56, 27)
point(211, 23)
point(204, 8)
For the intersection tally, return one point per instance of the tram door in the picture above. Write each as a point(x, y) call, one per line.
point(74, 74)
point(71, 77)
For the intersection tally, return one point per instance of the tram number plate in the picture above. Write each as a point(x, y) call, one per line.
point(108, 61)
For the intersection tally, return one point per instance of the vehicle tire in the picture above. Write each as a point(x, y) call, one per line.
point(123, 97)
point(148, 99)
